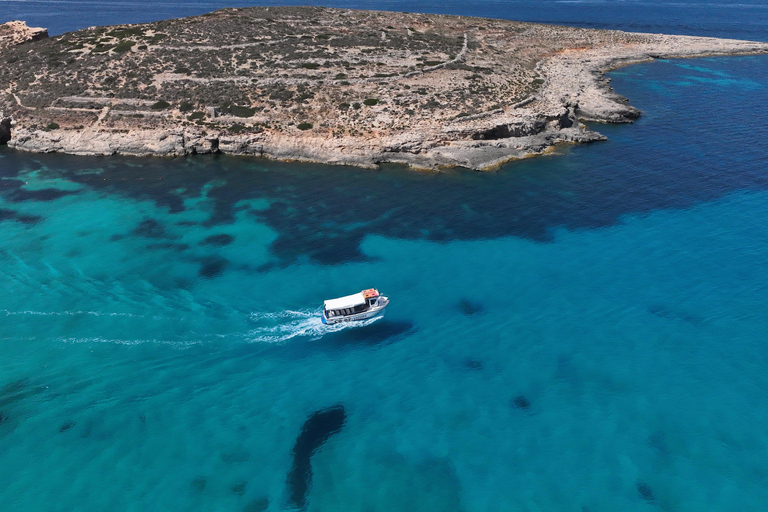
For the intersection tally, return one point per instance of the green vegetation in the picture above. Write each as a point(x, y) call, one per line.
point(196, 116)
point(52, 126)
point(160, 105)
point(237, 128)
point(238, 111)
point(156, 38)
point(120, 33)
point(186, 106)
point(370, 102)
point(102, 48)
point(304, 126)
point(343, 106)
point(124, 46)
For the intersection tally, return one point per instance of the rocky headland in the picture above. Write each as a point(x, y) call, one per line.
point(325, 85)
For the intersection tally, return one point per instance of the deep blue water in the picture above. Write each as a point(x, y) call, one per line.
point(580, 332)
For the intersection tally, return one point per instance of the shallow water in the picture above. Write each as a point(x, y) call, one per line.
point(578, 332)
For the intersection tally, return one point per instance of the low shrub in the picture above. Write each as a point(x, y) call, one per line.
point(304, 126)
point(124, 46)
point(370, 102)
point(196, 116)
point(238, 111)
point(186, 106)
point(52, 126)
point(160, 105)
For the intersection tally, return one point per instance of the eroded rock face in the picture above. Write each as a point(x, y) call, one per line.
point(336, 86)
point(5, 129)
point(17, 32)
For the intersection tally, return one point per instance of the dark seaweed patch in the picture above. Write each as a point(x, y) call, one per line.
point(66, 426)
point(257, 505)
point(322, 212)
point(473, 364)
point(218, 240)
point(235, 457)
point(645, 491)
point(521, 402)
point(212, 267)
point(13, 215)
point(198, 484)
point(665, 312)
point(3, 417)
point(150, 228)
point(18, 390)
point(315, 432)
point(13, 192)
point(469, 308)
point(168, 245)
point(238, 488)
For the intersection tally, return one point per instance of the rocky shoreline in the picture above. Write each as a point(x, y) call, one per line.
point(556, 91)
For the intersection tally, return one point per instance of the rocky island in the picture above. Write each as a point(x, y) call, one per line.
point(325, 85)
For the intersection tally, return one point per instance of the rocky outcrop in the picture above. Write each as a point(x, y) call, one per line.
point(17, 32)
point(5, 129)
point(474, 93)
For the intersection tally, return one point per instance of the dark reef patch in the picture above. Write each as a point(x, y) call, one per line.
point(212, 267)
point(198, 484)
point(521, 402)
point(18, 390)
point(66, 426)
point(218, 240)
point(3, 417)
point(469, 308)
point(150, 228)
point(238, 488)
point(671, 314)
point(645, 491)
point(168, 245)
point(18, 217)
point(256, 505)
point(14, 193)
point(658, 441)
point(308, 206)
point(235, 456)
point(320, 425)
point(473, 364)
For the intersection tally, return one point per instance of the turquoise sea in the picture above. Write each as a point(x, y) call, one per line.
point(581, 332)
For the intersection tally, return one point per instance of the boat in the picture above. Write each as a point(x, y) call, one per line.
point(352, 308)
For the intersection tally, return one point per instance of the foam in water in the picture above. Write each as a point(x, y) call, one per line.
point(292, 324)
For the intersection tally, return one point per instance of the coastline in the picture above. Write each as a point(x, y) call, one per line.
point(570, 88)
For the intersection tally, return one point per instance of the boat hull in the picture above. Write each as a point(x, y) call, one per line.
point(365, 315)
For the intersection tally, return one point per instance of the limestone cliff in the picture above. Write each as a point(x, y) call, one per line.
point(327, 85)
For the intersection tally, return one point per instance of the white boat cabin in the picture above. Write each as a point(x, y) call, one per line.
point(357, 306)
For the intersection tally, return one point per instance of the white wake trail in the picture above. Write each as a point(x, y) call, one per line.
point(292, 324)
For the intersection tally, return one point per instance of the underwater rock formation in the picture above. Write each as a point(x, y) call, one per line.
point(315, 432)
